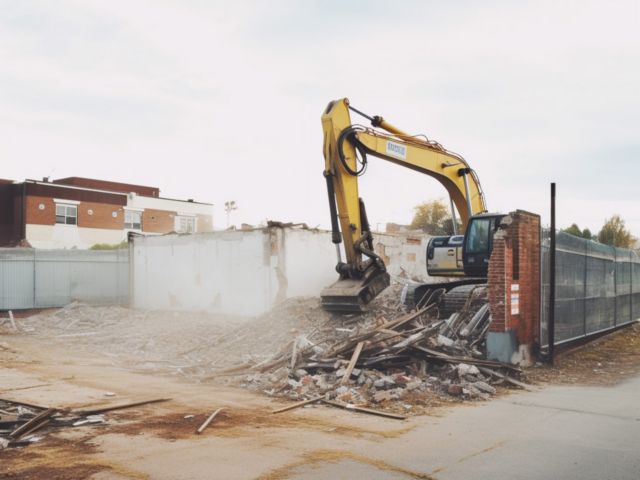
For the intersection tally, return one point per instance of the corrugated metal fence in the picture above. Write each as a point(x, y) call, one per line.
point(597, 288)
point(31, 278)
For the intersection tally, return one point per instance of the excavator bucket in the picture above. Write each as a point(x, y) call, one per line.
point(351, 296)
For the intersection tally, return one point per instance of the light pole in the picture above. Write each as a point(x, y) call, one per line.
point(229, 207)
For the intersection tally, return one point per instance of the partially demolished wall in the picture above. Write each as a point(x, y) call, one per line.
point(248, 272)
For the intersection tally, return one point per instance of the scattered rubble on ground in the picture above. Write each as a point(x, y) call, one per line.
point(22, 423)
point(382, 356)
point(388, 355)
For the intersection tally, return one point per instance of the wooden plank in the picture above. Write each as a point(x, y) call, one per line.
point(352, 363)
point(472, 361)
point(41, 417)
point(24, 404)
point(42, 424)
point(294, 356)
point(25, 388)
point(299, 404)
point(13, 322)
point(119, 407)
point(370, 411)
point(366, 336)
point(208, 421)
point(506, 378)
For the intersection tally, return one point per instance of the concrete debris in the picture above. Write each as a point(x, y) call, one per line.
point(19, 421)
point(378, 358)
point(298, 350)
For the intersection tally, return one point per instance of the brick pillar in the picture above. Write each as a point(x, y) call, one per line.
point(514, 288)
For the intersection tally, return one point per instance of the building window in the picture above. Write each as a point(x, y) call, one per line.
point(185, 224)
point(133, 220)
point(66, 214)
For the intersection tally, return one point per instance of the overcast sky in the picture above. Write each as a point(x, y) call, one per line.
point(221, 101)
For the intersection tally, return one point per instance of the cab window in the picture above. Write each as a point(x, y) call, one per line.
point(478, 240)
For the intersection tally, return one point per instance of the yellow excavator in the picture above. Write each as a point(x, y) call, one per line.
point(363, 274)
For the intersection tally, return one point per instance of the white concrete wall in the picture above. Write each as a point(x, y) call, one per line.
point(247, 272)
point(183, 208)
point(225, 272)
point(71, 236)
point(404, 254)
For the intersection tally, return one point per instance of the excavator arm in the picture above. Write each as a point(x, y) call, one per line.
point(346, 146)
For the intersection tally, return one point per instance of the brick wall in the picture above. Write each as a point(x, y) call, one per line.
point(158, 221)
point(101, 216)
point(514, 278)
point(36, 216)
point(204, 223)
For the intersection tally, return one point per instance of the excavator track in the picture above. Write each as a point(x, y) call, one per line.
point(451, 296)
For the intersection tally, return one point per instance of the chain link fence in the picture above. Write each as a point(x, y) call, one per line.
point(597, 288)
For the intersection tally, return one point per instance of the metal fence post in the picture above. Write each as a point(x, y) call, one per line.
point(584, 299)
point(34, 278)
point(551, 327)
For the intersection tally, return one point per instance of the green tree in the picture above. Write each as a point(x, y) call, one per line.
point(614, 233)
point(433, 217)
point(574, 230)
point(586, 233)
point(110, 246)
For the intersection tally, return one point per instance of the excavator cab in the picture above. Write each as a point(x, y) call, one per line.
point(478, 243)
point(455, 256)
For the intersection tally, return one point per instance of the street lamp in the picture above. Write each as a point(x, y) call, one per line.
point(229, 207)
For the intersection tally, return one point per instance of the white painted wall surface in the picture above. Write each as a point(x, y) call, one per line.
point(226, 272)
point(71, 236)
point(310, 261)
point(188, 208)
point(247, 272)
point(404, 254)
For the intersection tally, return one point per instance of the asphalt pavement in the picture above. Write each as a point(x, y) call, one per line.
point(558, 432)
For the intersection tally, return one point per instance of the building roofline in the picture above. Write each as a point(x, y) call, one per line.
point(73, 187)
point(177, 200)
point(113, 192)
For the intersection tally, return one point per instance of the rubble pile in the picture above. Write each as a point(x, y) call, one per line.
point(297, 349)
point(380, 357)
point(22, 424)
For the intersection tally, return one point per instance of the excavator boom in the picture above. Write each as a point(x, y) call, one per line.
point(346, 146)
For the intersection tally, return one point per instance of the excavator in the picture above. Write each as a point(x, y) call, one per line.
point(363, 275)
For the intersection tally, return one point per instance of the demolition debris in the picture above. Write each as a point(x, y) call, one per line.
point(380, 357)
point(22, 424)
point(298, 351)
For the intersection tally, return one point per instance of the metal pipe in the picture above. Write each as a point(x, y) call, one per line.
point(551, 327)
point(464, 172)
point(454, 221)
point(335, 229)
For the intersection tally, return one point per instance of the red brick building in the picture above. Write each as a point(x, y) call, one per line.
point(80, 212)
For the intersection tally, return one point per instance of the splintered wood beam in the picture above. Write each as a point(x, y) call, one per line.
point(299, 404)
point(95, 411)
point(370, 411)
point(352, 363)
point(31, 424)
point(208, 421)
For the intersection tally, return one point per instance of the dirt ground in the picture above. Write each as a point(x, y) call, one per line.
point(605, 361)
point(247, 434)
point(58, 366)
